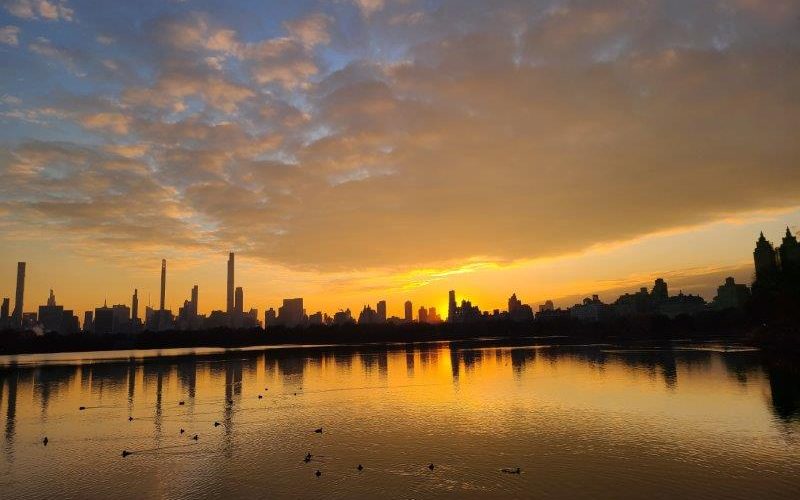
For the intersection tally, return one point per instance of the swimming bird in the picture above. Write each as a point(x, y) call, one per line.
point(512, 471)
point(308, 457)
point(82, 408)
point(360, 467)
point(216, 424)
point(319, 431)
point(125, 453)
point(182, 431)
point(318, 473)
point(45, 440)
point(130, 419)
point(181, 403)
point(195, 437)
point(430, 466)
point(260, 396)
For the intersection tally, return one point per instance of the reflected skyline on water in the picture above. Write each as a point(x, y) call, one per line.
point(494, 393)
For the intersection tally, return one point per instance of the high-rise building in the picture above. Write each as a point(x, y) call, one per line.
point(270, 318)
point(315, 319)
point(16, 317)
point(451, 306)
point(789, 253)
point(343, 317)
point(765, 260)
point(230, 304)
point(514, 303)
point(291, 313)
point(517, 311)
point(731, 295)
point(381, 311)
point(367, 316)
point(135, 305)
point(409, 312)
point(121, 319)
point(4, 309)
point(422, 315)
point(54, 318)
point(104, 320)
point(51, 315)
point(163, 283)
point(195, 297)
point(237, 318)
point(88, 321)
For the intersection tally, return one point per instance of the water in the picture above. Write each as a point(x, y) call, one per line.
point(580, 422)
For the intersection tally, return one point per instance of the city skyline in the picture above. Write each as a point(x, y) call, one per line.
point(180, 278)
point(333, 146)
point(772, 265)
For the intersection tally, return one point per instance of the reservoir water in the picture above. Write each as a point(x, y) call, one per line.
point(588, 421)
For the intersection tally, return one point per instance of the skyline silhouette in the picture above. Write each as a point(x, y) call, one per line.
point(773, 266)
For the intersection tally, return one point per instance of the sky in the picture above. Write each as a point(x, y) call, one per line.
point(350, 151)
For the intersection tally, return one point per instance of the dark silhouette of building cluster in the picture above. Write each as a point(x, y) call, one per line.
point(777, 267)
point(776, 285)
point(777, 276)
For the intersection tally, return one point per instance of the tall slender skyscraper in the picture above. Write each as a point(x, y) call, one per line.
point(163, 282)
point(409, 316)
point(230, 304)
point(135, 305)
point(16, 317)
point(195, 294)
point(451, 306)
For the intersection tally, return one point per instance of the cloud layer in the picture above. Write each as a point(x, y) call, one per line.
point(373, 134)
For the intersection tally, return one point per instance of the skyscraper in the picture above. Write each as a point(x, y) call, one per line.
point(16, 317)
point(4, 309)
point(135, 305)
point(104, 320)
point(409, 316)
point(789, 253)
point(88, 321)
point(229, 309)
point(291, 313)
point(163, 282)
point(451, 306)
point(195, 294)
point(765, 260)
point(381, 310)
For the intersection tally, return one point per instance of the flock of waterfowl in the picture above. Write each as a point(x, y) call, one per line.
point(308, 458)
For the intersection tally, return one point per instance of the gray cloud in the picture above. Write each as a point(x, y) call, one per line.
point(505, 131)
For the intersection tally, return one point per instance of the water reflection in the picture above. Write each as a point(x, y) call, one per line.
point(301, 388)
